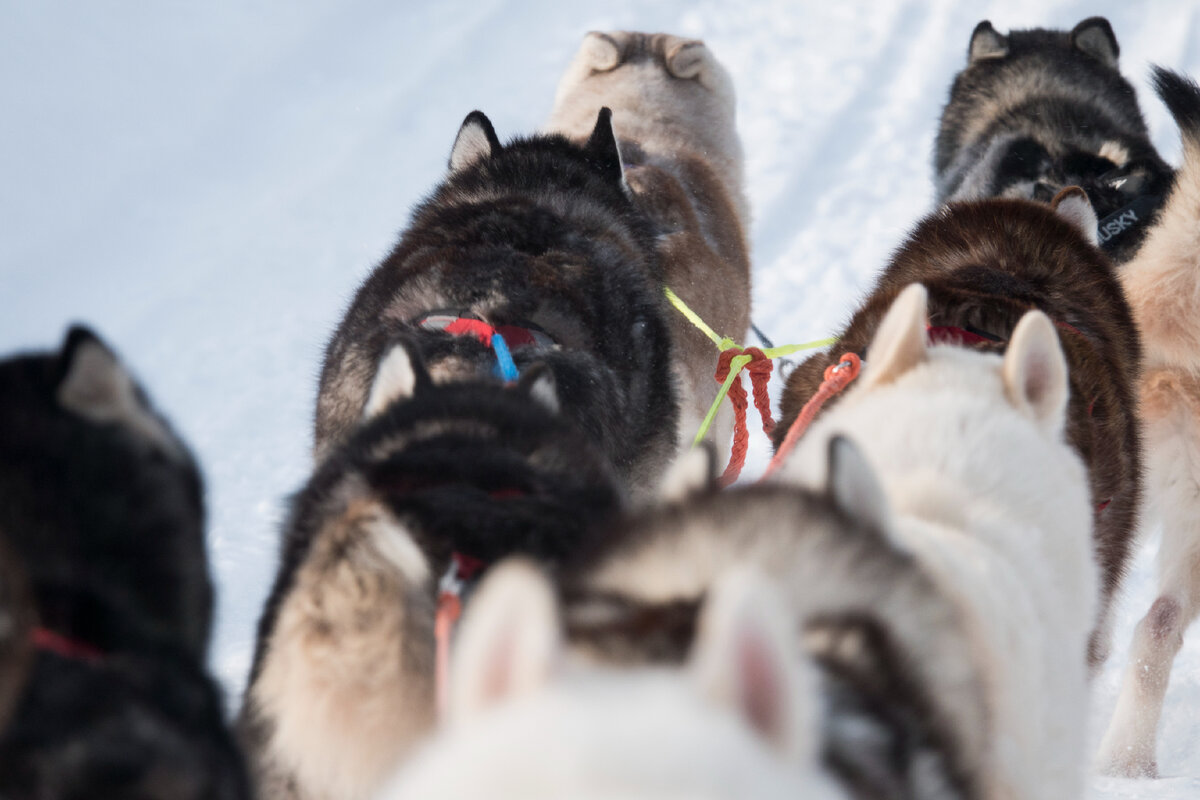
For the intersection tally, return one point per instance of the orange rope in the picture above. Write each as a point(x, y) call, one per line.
point(449, 609)
point(759, 367)
point(837, 377)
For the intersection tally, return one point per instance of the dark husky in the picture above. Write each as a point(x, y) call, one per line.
point(904, 706)
point(539, 241)
point(102, 504)
point(16, 621)
point(985, 264)
point(1037, 110)
point(343, 678)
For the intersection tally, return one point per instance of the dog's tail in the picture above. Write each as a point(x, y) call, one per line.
point(1162, 282)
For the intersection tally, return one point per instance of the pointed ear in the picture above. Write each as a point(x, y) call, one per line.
point(1095, 37)
point(748, 659)
point(93, 382)
point(694, 471)
point(476, 140)
point(853, 487)
point(1035, 371)
point(685, 58)
point(602, 151)
point(1073, 205)
point(899, 343)
point(509, 640)
point(986, 43)
point(600, 51)
point(400, 374)
point(538, 382)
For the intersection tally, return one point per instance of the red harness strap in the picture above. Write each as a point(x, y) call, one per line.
point(759, 368)
point(463, 569)
point(64, 646)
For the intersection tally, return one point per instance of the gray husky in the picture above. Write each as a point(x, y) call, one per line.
point(531, 250)
point(1037, 110)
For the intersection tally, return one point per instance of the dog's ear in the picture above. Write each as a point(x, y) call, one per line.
point(694, 471)
point(509, 641)
point(1035, 371)
point(853, 486)
point(1073, 205)
point(476, 140)
point(1095, 37)
point(986, 43)
point(602, 151)
point(685, 58)
point(600, 51)
point(538, 382)
point(747, 658)
point(401, 374)
point(899, 343)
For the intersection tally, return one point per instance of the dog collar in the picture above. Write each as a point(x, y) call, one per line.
point(1117, 225)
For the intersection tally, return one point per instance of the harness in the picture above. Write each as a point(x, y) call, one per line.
point(502, 339)
point(49, 641)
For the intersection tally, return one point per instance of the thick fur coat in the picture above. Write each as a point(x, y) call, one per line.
point(342, 685)
point(102, 504)
point(539, 233)
point(1035, 111)
point(1163, 286)
point(994, 505)
point(984, 265)
point(673, 110)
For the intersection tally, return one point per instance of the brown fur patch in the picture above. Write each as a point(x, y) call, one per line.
point(985, 264)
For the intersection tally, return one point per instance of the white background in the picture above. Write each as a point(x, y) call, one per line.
point(207, 183)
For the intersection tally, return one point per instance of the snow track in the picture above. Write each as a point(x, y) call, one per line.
point(208, 184)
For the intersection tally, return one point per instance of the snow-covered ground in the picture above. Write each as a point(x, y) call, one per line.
point(207, 183)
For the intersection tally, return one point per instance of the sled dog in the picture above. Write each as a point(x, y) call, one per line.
point(985, 264)
point(1162, 283)
point(673, 111)
point(102, 505)
point(993, 503)
point(1037, 110)
point(739, 720)
point(439, 477)
point(538, 243)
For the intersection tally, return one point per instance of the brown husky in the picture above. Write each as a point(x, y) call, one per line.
point(673, 113)
point(987, 263)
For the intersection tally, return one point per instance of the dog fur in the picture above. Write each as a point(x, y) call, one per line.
point(984, 265)
point(993, 503)
point(1163, 286)
point(540, 232)
point(1037, 110)
point(16, 620)
point(342, 685)
point(738, 721)
point(673, 110)
point(102, 504)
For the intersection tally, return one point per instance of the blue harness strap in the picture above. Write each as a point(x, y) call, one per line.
point(504, 360)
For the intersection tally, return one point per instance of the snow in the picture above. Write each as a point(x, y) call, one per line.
point(207, 184)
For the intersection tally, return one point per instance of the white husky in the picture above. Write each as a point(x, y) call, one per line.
point(991, 500)
point(738, 722)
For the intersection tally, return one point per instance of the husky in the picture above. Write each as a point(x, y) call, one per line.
point(739, 720)
point(102, 504)
point(536, 242)
point(1037, 110)
point(1162, 283)
point(985, 264)
point(991, 500)
point(673, 108)
point(437, 475)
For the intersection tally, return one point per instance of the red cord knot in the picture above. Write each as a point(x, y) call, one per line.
point(760, 368)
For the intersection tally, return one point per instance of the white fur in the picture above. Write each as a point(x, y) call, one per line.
point(1073, 206)
point(995, 505)
point(592, 733)
point(1163, 286)
point(395, 379)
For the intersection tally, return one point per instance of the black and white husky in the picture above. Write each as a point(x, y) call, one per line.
point(536, 242)
point(102, 505)
point(1035, 111)
point(437, 476)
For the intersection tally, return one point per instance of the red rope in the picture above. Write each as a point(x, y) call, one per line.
point(837, 377)
point(759, 368)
